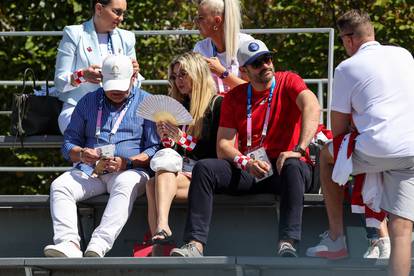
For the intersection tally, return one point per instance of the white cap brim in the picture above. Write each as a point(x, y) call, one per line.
point(118, 85)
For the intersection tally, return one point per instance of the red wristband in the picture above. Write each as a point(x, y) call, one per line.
point(167, 142)
point(188, 142)
point(241, 161)
point(78, 77)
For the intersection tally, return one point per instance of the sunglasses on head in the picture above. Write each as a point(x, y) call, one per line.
point(264, 59)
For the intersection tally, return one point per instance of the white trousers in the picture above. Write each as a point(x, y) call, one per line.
point(64, 116)
point(75, 185)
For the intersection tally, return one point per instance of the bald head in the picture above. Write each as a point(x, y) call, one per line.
point(358, 23)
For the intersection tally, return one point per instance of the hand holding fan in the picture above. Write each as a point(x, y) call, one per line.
point(158, 108)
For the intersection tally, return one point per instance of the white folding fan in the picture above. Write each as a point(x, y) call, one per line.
point(163, 108)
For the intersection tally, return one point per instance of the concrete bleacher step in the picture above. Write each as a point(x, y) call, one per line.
point(217, 266)
point(241, 226)
point(244, 226)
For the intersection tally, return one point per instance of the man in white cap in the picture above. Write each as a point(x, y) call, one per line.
point(111, 147)
point(274, 130)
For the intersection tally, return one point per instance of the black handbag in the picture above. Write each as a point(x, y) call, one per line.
point(32, 114)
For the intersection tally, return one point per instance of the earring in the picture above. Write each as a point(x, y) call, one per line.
point(215, 28)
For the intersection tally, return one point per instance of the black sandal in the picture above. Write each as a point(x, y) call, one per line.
point(168, 239)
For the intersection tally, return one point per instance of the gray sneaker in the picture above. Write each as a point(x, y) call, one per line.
point(329, 249)
point(187, 250)
point(286, 249)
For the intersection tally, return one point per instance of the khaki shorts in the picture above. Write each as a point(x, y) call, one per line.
point(398, 173)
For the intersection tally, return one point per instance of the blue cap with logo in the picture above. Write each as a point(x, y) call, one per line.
point(250, 50)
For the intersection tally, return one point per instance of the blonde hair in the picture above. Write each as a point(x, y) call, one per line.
point(202, 89)
point(230, 10)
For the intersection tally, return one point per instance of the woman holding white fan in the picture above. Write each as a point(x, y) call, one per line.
point(192, 85)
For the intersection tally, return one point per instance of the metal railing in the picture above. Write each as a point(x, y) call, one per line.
point(319, 82)
point(320, 90)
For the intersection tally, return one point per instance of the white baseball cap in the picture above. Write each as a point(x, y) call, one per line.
point(250, 50)
point(117, 72)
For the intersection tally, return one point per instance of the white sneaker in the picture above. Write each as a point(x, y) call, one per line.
point(64, 249)
point(384, 245)
point(93, 252)
point(373, 250)
point(378, 249)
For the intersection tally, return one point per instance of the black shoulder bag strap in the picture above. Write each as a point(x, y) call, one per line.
point(21, 103)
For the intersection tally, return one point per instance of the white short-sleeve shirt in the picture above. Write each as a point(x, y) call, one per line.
point(376, 86)
point(205, 47)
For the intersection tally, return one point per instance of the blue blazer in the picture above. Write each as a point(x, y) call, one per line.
point(78, 49)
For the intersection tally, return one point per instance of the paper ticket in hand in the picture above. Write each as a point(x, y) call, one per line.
point(260, 154)
point(106, 151)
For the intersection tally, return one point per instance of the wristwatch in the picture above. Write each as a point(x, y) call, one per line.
point(224, 75)
point(297, 148)
point(129, 164)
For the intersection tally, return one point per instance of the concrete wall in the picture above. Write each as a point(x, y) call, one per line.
point(235, 230)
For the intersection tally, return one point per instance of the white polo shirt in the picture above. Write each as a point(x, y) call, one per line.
point(376, 86)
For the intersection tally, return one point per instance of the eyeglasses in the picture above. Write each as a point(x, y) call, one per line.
point(265, 59)
point(118, 12)
point(181, 75)
point(340, 37)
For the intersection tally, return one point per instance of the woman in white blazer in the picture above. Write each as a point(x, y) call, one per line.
point(82, 50)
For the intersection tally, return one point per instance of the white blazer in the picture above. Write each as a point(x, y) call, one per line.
point(78, 49)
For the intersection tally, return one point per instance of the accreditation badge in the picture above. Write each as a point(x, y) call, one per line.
point(105, 151)
point(260, 154)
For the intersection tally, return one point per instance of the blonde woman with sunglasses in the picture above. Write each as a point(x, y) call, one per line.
point(192, 85)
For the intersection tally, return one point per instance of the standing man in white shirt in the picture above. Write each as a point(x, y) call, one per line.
point(373, 90)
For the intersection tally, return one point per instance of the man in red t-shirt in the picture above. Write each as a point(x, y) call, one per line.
point(275, 117)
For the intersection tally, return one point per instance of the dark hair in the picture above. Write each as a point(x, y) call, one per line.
point(356, 21)
point(94, 2)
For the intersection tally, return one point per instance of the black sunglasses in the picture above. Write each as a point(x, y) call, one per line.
point(340, 37)
point(181, 75)
point(118, 12)
point(265, 59)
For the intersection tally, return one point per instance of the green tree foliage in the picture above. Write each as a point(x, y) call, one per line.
point(303, 53)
